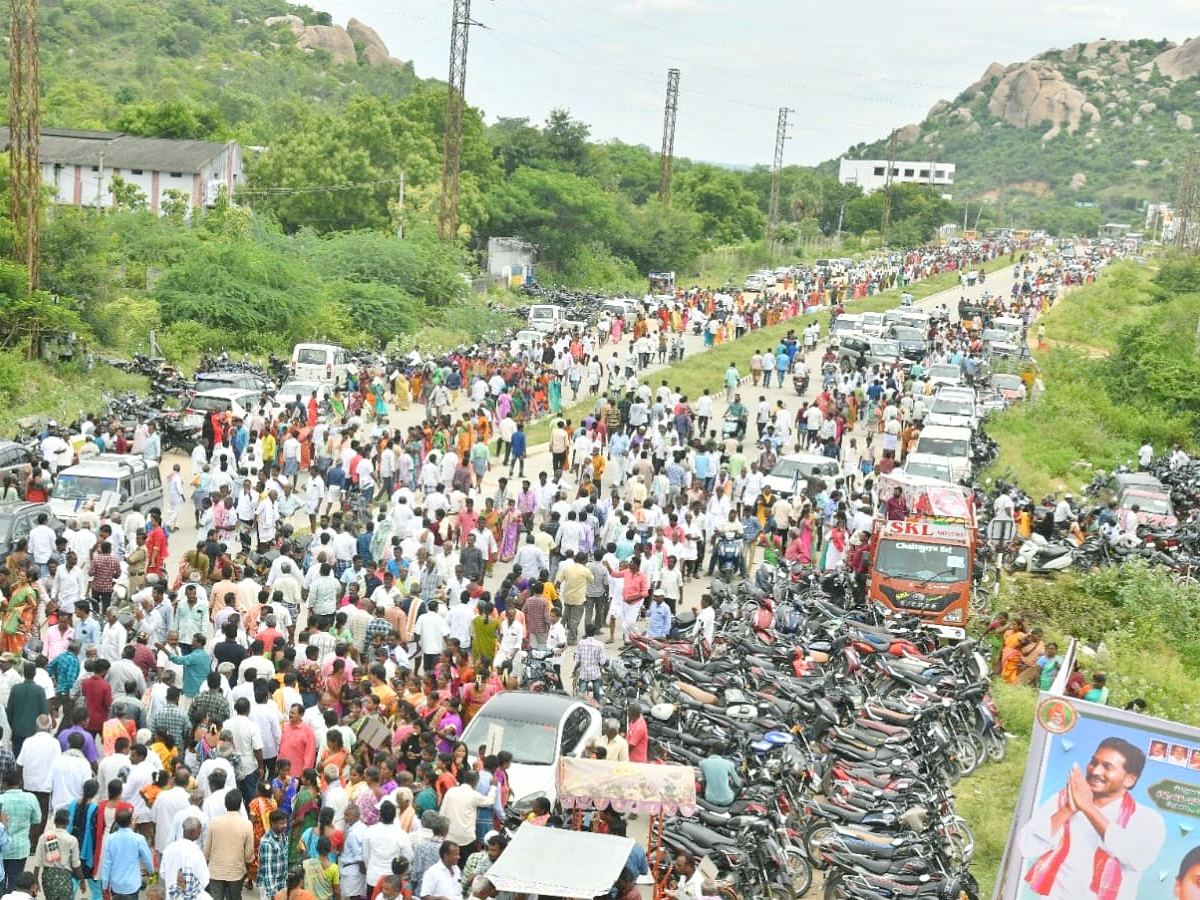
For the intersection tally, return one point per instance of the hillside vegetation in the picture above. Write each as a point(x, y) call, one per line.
point(1067, 140)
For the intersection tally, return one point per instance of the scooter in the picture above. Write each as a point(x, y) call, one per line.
point(1042, 557)
point(800, 382)
point(729, 556)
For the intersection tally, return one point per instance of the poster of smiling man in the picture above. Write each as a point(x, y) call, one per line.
point(1109, 808)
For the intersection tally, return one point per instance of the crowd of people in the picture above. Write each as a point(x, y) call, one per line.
point(281, 704)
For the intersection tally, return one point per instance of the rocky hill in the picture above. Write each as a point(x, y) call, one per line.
point(1109, 122)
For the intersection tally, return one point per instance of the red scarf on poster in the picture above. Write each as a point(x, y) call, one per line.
point(1106, 870)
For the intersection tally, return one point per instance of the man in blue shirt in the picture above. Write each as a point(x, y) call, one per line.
point(196, 665)
point(23, 812)
point(659, 617)
point(518, 445)
point(720, 780)
point(125, 855)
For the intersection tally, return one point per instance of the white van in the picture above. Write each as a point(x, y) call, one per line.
point(325, 363)
point(844, 324)
point(549, 317)
point(107, 483)
point(953, 443)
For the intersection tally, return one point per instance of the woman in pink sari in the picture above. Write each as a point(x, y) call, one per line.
point(616, 329)
point(511, 532)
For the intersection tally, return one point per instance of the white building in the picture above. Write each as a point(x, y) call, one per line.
point(80, 165)
point(871, 174)
point(512, 259)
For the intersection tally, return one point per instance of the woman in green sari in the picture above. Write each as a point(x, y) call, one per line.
point(306, 808)
point(321, 872)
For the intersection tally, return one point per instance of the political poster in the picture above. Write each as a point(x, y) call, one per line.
point(1109, 808)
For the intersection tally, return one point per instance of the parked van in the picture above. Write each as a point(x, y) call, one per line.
point(948, 441)
point(107, 483)
point(549, 317)
point(326, 363)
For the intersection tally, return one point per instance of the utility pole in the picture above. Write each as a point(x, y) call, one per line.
point(781, 125)
point(1187, 234)
point(887, 188)
point(666, 159)
point(452, 144)
point(24, 118)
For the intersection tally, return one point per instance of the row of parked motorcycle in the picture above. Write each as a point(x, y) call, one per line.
point(847, 730)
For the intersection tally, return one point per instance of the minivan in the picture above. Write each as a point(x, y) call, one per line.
point(951, 442)
point(107, 483)
point(320, 362)
point(549, 317)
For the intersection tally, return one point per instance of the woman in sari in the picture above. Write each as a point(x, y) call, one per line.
point(512, 523)
point(403, 392)
point(449, 726)
point(1010, 656)
point(334, 753)
point(307, 805)
point(81, 822)
point(19, 614)
point(322, 831)
point(260, 810)
point(321, 871)
point(554, 390)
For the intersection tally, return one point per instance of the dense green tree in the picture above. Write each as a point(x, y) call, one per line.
point(566, 141)
point(555, 211)
point(728, 209)
point(516, 143)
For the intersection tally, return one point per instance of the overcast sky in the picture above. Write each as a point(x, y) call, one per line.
point(850, 70)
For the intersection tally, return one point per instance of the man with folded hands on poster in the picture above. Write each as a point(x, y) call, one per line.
point(1091, 840)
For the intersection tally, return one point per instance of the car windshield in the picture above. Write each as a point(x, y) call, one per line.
point(885, 348)
point(936, 471)
point(943, 447)
point(904, 333)
point(1155, 504)
point(213, 382)
point(1007, 382)
point(945, 372)
point(71, 486)
point(310, 356)
point(208, 404)
point(530, 743)
point(939, 563)
point(294, 389)
point(952, 407)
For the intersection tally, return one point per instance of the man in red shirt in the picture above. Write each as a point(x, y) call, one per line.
point(297, 743)
point(97, 694)
point(636, 735)
point(156, 546)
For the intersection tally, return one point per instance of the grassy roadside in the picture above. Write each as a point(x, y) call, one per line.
point(920, 289)
point(1122, 370)
point(39, 391)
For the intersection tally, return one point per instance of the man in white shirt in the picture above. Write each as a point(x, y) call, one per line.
point(706, 619)
point(41, 543)
point(512, 638)
point(383, 842)
point(443, 879)
point(431, 630)
point(166, 805)
point(37, 756)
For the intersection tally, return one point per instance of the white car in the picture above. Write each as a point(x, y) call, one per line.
point(527, 339)
point(945, 374)
point(199, 406)
point(301, 390)
point(538, 730)
point(754, 282)
point(791, 473)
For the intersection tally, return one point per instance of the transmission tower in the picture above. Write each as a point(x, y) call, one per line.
point(667, 158)
point(776, 168)
point(24, 118)
point(452, 145)
point(1187, 213)
point(887, 188)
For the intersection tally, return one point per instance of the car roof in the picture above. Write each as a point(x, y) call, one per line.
point(946, 431)
point(225, 376)
point(1140, 479)
point(306, 383)
point(103, 463)
point(228, 393)
point(524, 706)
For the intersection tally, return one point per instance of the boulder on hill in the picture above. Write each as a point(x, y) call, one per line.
point(375, 51)
point(1036, 93)
point(1180, 63)
point(331, 38)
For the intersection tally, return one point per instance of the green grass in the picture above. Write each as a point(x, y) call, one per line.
point(42, 392)
point(920, 289)
point(988, 798)
point(1095, 314)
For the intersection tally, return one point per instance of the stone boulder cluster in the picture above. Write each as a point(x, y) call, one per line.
point(340, 43)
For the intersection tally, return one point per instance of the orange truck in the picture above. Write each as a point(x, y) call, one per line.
point(924, 564)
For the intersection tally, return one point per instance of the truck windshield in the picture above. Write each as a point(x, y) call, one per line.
point(938, 563)
point(81, 487)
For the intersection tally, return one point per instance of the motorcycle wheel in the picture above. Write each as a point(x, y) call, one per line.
point(818, 832)
point(835, 889)
point(959, 840)
point(799, 871)
point(996, 745)
point(971, 752)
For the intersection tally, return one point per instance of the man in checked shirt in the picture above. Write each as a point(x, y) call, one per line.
point(589, 658)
